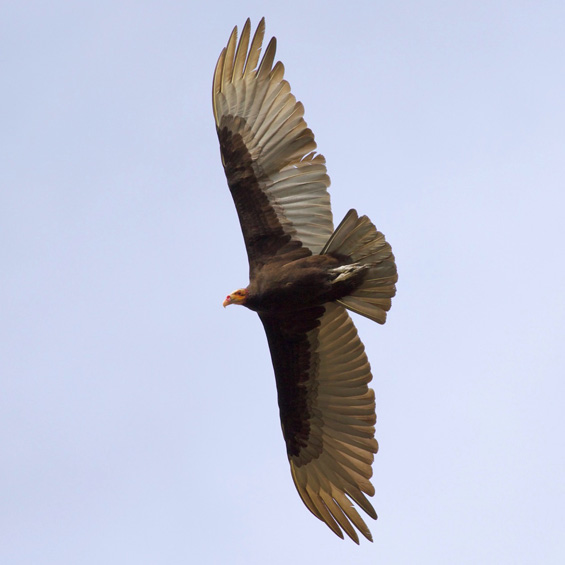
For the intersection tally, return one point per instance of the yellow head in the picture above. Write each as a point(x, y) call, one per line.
point(236, 297)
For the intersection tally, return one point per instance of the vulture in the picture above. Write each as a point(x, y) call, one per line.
point(304, 277)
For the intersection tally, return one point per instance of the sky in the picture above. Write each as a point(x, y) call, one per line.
point(138, 418)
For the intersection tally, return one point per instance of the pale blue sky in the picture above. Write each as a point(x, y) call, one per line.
point(138, 418)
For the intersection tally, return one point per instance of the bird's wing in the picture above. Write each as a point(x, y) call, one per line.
point(278, 183)
point(327, 413)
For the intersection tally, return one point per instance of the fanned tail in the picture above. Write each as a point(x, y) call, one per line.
point(357, 238)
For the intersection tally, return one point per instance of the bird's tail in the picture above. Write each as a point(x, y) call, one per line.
point(357, 238)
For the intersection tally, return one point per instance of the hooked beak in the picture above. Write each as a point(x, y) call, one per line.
point(227, 301)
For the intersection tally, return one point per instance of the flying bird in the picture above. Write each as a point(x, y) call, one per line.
point(304, 276)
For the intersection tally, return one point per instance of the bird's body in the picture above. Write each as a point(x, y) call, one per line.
point(286, 285)
point(304, 276)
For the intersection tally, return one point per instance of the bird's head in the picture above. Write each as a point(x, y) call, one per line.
point(236, 297)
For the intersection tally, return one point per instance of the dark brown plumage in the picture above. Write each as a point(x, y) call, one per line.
point(303, 277)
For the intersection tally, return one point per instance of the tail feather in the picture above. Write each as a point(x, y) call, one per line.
point(357, 238)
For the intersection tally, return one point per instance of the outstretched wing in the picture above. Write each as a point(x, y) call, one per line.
point(279, 185)
point(327, 413)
